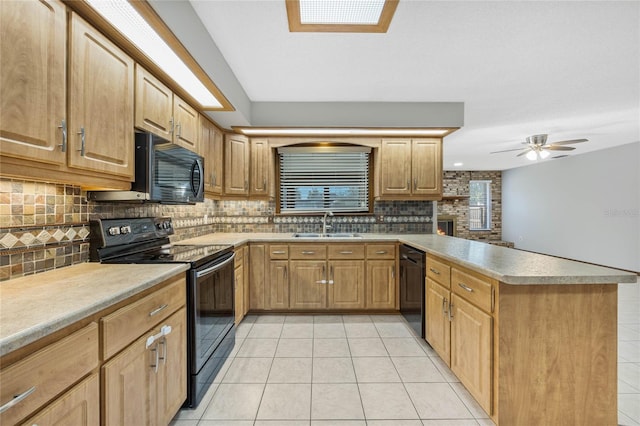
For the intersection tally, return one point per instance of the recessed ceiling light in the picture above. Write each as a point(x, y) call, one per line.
point(308, 131)
point(366, 16)
point(458, 164)
point(126, 19)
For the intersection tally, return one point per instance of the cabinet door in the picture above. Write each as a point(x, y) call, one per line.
point(426, 167)
point(129, 383)
point(381, 284)
point(258, 276)
point(186, 125)
point(236, 165)
point(153, 105)
point(471, 342)
point(395, 167)
point(437, 331)
point(32, 80)
point(211, 149)
point(239, 294)
point(260, 167)
point(308, 289)
point(345, 289)
point(172, 372)
point(79, 407)
point(245, 302)
point(101, 93)
point(278, 285)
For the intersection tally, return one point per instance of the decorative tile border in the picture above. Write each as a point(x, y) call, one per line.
point(13, 238)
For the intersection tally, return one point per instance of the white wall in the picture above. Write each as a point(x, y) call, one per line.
point(583, 207)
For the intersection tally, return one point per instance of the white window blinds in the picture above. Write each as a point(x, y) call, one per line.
point(318, 179)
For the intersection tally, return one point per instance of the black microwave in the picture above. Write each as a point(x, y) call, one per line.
point(164, 173)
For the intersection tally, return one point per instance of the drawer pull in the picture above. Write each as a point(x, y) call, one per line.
point(466, 287)
point(308, 252)
point(381, 252)
point(435, 271)
point(158, 310)
point(17, 399)
point(346, 252)
point(279, 252)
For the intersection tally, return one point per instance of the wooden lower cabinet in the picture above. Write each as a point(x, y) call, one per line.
point(471, 349)
point(78, 407)
point(239, 279)
point(308, 288)
point(258, 276)
point(437, 322)
point(147, 385)
point(345, 289)
point(381, 284)
point(278, 288)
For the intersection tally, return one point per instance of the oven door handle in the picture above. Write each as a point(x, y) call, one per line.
point(214, 268)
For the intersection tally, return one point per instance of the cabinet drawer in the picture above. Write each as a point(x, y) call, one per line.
point(381, 251)
point(48, 372)
point(439, 271)
point(346, 251)
point(279, 252)
point(126, 324)
point(475, 288)
point(308, 251)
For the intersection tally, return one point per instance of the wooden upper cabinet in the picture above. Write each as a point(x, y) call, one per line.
point(212, 151)
point(154, 105)
point(33, 80)
point(411, 169)
point(260, 168)
point(236, 165)
point(101, 92)
point(186, 121)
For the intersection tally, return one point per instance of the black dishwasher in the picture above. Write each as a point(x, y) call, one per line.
point(412, 274)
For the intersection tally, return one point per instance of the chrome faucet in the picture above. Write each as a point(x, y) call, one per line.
point(324, 223)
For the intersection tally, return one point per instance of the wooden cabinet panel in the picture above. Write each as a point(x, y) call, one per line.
point(437, 322)
point(426, 167)
point(474, 287)
point(257, 275)
point(279, 251)
point(33, 80)
point(186, 122)
point(78, 407)
point(125, 324)
point(345, 251)
point(239, 292)
point(212, 151)
point(308, 251)
point(471, 353)
point(261, 170)
point(236, 166)
point(49, 371)
point(395, 175)
point(308, 289)
point(278, 292)
point(439, 271)
point(172, 373)
point(245, 283)
point(346, 284)
point(381, 284)
point(100, 126)
point(153, 104)
point(381, 251)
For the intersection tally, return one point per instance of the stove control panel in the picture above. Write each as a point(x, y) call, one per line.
point(116, 232)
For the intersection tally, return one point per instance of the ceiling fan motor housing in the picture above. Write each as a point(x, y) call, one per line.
point(537, 139)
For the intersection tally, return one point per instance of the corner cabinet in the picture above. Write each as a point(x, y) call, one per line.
point(410, 169)
point(236, 165)
point(100, 136)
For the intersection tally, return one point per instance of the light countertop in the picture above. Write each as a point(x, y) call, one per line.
point(507, 265)
point(37, 305)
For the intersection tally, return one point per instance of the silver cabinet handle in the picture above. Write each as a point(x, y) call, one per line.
point(156, 361)
point(393, 272)
point(158, 310)
point(308, 252)
point(435, 271)
point(17, 399)
point(171, 125)
point(246, 184)
point(264, 183)
point(179, 128)
point(450, 311)
point(331, 274)
point(346, 252)
point(381, 252)
point(415, 183)
point(163, 357)
point(82, 141)
point(408, 184)
point(63, 126)
point(444, 306)
point(279, 252)
point(286, 274)
point(324, 276)
point(466, 287)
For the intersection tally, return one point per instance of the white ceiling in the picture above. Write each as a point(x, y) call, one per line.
point(567, 68)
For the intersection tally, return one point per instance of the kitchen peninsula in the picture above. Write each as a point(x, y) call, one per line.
point(552, 322)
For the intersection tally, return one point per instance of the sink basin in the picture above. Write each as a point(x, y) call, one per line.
point(331, 235)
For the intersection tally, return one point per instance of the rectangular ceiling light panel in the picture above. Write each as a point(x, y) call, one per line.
point(132, 25)
point(354, 12)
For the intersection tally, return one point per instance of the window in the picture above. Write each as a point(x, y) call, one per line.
point(324, 178)
point(479, 205)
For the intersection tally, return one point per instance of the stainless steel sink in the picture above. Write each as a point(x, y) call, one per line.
point(330, 235)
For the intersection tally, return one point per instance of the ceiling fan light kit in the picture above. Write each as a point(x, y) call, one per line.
point(537, 148)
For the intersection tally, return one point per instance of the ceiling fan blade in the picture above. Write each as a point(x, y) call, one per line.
point(559, 148)
point(523, 153)
point(570, 142)
point(508, 150)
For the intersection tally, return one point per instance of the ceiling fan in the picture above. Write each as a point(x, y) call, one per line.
point(537, 148)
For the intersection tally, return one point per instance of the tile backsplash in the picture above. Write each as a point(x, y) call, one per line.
point(44, 226)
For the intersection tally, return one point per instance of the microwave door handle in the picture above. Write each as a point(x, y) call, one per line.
point(197, 164)
point(214, 268)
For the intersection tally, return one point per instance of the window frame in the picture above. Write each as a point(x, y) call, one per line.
point(488, 200)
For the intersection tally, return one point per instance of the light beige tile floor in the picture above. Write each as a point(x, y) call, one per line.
point(361, 370)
